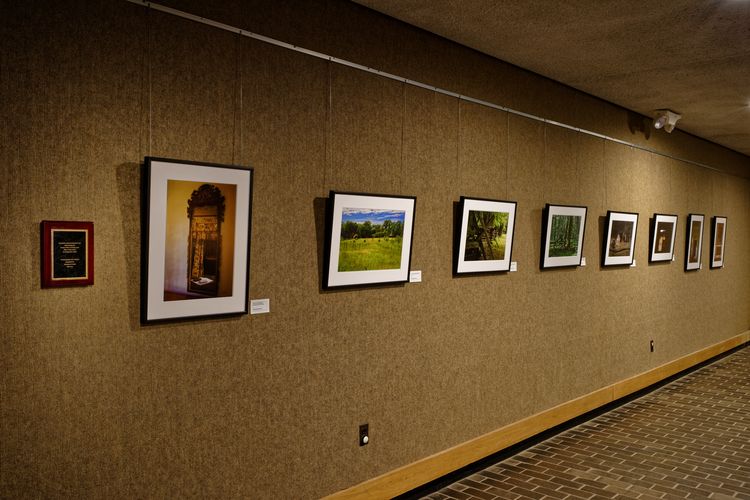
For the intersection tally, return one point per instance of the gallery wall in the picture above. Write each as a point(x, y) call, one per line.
point(95, 404)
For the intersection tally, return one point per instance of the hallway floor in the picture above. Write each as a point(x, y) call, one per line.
point(688, 439)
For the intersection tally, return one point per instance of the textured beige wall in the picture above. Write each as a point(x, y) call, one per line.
point(94, 404)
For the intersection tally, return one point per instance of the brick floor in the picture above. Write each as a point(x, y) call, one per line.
point(689, 439)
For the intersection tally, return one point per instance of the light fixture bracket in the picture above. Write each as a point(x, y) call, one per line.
point(666, 119)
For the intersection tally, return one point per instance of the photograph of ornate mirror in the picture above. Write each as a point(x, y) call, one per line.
point(206, 213)
point(196, 239)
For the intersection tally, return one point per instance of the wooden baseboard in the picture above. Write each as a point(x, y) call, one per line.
point(413, 475)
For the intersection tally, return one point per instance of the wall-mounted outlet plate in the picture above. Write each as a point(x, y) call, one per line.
point(364, 434)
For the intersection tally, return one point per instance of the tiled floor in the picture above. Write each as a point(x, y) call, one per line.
point(689, 439)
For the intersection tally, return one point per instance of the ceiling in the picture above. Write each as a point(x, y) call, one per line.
point(690, 56)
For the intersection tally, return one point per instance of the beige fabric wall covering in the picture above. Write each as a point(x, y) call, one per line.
point(96, 405)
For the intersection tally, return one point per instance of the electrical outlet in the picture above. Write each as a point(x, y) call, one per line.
point(364, 434)
point(652, 346)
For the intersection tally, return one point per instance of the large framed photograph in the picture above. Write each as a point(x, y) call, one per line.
point(563, 228)
point(718, 237)
point(694, 242)
point(67, 254)
point(619, 241)
point(663, 233)
point(485, 238)
point(196, 239)
point(368, 239)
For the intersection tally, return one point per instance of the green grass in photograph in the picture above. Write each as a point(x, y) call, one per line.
point(370, 254)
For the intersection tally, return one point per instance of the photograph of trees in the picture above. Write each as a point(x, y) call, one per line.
point(564, 235)
point(485, 235)
point(371, 239)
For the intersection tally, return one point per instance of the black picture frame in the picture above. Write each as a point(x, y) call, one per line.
point(368, 239)
point(565, 218)
point(471, 249)
point(718, 241)
point(196, 226)
point(618, 244)
point(694, 242)
point(663, 235)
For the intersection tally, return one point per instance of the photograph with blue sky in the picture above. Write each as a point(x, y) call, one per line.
point(375, 216)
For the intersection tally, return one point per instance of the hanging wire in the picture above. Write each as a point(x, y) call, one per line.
point(238, 107)
point(605, 166)
point(507, 156)
point(329, 126)
point(544, 155)
point(403, 126)
point(149, 73)
point(458, 142)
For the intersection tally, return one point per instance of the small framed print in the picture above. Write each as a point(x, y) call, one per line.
point(196, 239)
point(718, 237)
point(368, 239)
point(563, 228)
point(485, 238)
point(663, 233)
point(67, 253)
point(694, 242)
point(619, 242)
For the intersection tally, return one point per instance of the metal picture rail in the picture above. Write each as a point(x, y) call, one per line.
point(384, 74)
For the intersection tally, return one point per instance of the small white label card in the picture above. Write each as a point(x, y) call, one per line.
point(513, 267)
point(583, 261)
point(415, 277)
point(260, 306)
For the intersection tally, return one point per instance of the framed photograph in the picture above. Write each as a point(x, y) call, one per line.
point(196, 239)
point(718, 236)
point(619, 241)
point(694, 242)
point(663, 233)
point(67, 253)
point(563, 227)
point(368, 239)
point(485, 238)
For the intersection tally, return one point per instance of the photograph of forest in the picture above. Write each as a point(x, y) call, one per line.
point(371, 239)
point(563, 240)
point(485, 235)
point(621, 234)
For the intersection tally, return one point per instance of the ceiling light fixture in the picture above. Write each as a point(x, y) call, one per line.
point(666, 119)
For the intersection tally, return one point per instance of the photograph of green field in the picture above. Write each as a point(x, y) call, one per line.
point(485, 235)
point(564, 235)
point(371, 239)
